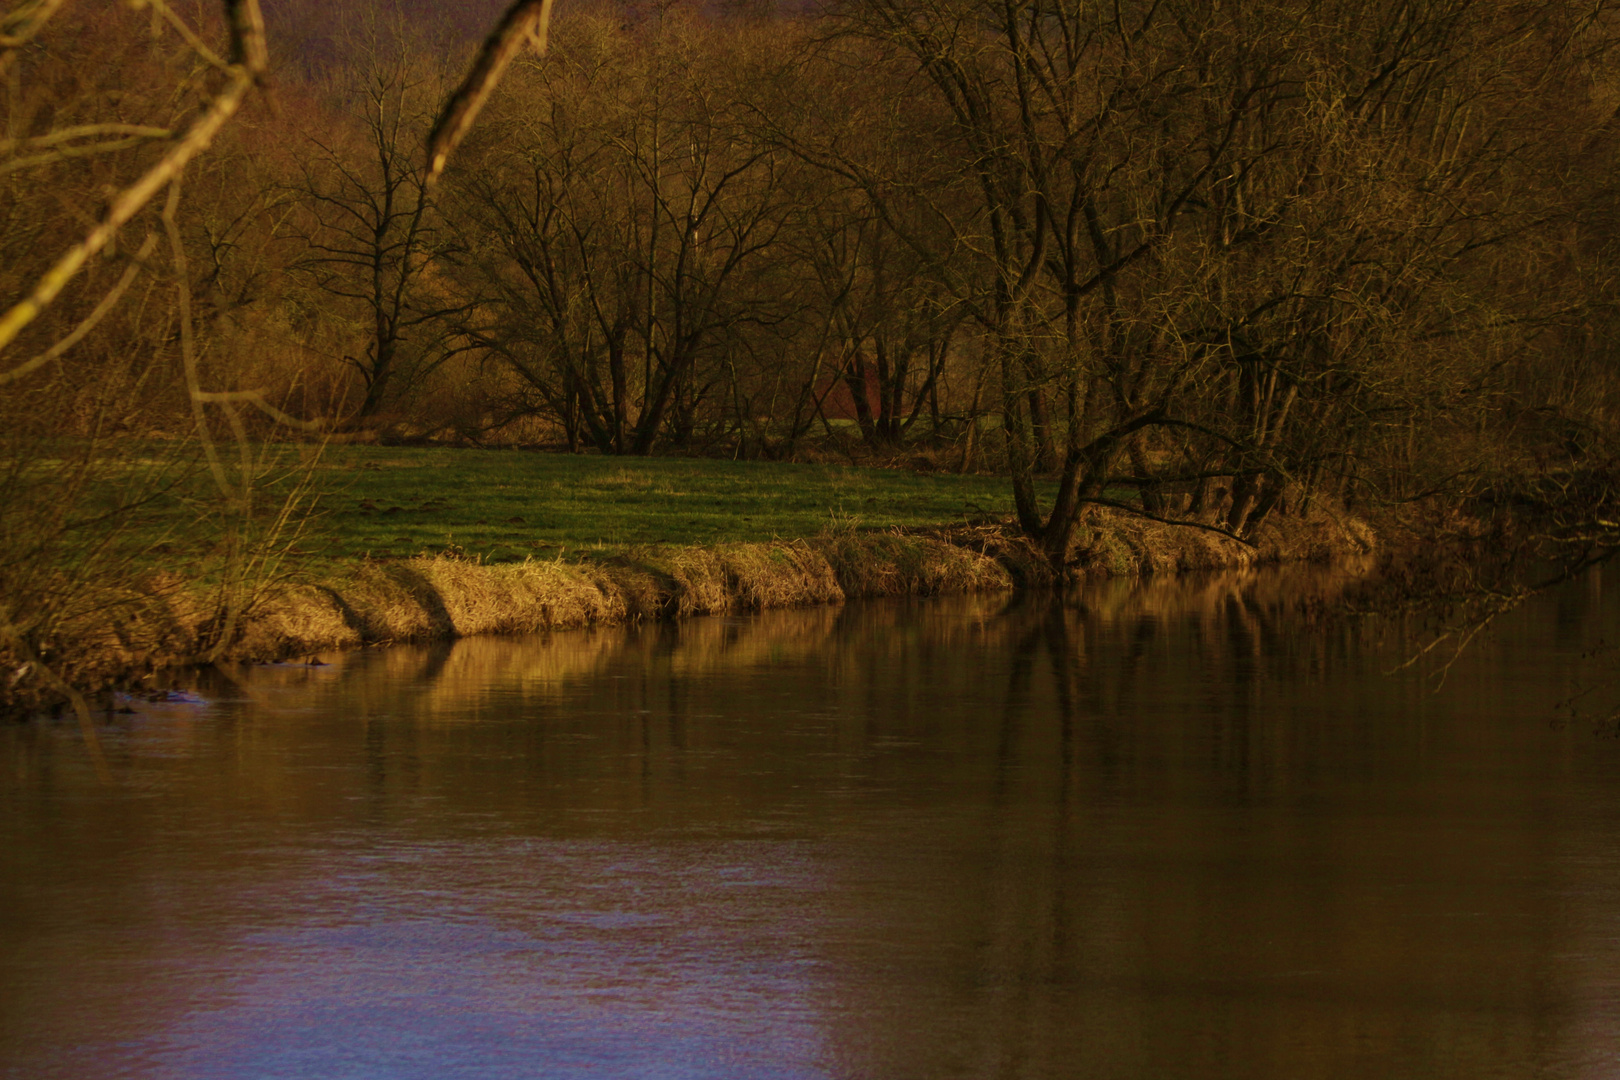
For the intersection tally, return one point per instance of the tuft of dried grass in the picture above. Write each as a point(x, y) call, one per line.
point(443, 596)
point(437, 597)
point(1115, 543)
point(745, 577)
point(110, 631)
point(760, 576)
point(895, 563)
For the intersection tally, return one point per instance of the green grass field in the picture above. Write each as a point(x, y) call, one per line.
point(504, 505)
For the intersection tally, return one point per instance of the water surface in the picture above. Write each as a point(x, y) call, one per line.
point(1178, 830)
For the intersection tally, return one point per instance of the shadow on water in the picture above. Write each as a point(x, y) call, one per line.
point(1166, 828)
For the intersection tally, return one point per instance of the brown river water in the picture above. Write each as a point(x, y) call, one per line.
point(1176, 829)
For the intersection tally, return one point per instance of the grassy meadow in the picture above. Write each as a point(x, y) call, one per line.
point(507, 505)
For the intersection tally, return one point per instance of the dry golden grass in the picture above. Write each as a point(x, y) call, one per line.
point(1115, 543)
point(439, 597)
point(745, 577)
point(910, 564)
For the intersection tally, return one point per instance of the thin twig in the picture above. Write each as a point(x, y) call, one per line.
point(67, 153)
point(188, 35)
point(28, 22)
point(247, 29)
point(108, 302)
point(1183, 522)
point(83, 131)
point(188, 347)
point(256, 399)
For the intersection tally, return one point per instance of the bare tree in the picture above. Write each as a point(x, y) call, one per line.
point(375, 239)
point(1207, 228)
point(623, 216)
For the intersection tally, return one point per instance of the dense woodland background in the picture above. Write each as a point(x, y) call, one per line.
point(1229, 257)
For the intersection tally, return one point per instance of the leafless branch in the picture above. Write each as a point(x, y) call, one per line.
point(256, 399)
point(108, 302)
point(247, 43)
point(83, 131)
point(1179, 522)
point(21, 26)
point(525, 22)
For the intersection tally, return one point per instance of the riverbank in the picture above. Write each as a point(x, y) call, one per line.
point(374, 602)
point(427, 598)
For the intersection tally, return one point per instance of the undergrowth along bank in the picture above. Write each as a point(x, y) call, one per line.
point(435, 597)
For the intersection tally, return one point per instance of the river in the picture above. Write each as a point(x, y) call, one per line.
point(1175, 828)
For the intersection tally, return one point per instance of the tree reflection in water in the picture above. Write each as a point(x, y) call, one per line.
point(1164, 828)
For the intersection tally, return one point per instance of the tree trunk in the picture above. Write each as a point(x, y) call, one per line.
point(1152, 500)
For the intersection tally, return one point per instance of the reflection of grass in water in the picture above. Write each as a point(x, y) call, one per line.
point(506, 505)
point(446, 683)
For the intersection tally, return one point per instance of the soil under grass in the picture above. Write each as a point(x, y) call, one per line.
point(508, 505)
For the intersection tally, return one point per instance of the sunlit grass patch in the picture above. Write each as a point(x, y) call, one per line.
point(506, 505)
